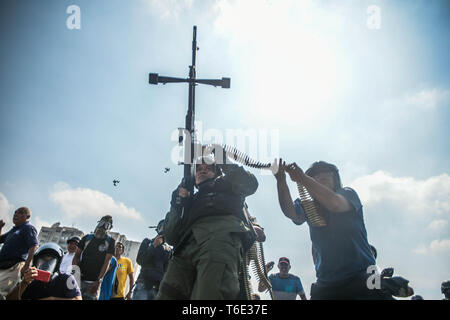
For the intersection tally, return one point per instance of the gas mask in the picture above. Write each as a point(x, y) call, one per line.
point(46, 263)
point(103, 227)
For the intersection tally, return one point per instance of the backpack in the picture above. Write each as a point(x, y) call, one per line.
point(89, 237)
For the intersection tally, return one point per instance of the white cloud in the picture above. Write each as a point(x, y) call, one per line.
point(299, 58)
point(84, 202)
point(39, 223)
point(435, 247)
point(5, 209)
point(428, 98)
point(440, 246)
point(268, 21)
point(167, 9)
point(438, 225)
point(406, 107)
point(430, 196)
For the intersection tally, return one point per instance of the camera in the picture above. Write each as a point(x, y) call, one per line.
point(43, 275)
point(159, 228)
point(396, 286)
point(445, 289)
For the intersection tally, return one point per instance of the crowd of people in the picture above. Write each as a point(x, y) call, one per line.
point(201, 243)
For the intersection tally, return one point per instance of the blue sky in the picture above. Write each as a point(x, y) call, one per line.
point(76, 111)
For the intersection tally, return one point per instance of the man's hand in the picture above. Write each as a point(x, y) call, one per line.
point(94, 287)
point(269, 266)
point(158, 241)
point(30, 274)
point(295, 172)
point(2, 224)
point(25, 268)
point(280, 174)
point(182, 192)
point(260, 235)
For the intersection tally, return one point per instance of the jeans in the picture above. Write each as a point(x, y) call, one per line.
point(84, 287)
point(142, 293)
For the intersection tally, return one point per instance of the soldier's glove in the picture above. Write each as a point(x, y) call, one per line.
point(177, 201)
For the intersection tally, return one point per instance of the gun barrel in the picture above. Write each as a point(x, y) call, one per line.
point(194, 46)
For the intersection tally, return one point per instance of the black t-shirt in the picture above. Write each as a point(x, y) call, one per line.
point(93, 256)
point(63, 286)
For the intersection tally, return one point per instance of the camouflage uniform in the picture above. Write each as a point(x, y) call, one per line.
point(210, 239)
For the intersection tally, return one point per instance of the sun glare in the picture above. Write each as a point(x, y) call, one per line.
point(292, 69)
point(298, 85)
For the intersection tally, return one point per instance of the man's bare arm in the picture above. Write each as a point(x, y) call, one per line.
point(331, 200)
point(131, 276)
point(286, 203)
point(76, 258)
point(284, 196)
point(31, 252)
point(105, 266)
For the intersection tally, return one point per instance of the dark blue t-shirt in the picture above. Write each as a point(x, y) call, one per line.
point(17, 242)
point(341, 247)
point(153, 262)
point(62, 286)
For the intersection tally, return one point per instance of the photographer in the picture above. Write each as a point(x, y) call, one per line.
point(153, 257)
point(58, 286)
point(445, 289)
point(392, 286)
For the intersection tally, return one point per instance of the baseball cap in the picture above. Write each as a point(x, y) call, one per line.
point(284, 260)
point(75, 239)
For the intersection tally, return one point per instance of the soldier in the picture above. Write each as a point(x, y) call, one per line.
point(445, 289)
point(58, 286)
point(211, 236)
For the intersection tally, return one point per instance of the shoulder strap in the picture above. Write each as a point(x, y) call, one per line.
point(108, 240)
point(89, 237)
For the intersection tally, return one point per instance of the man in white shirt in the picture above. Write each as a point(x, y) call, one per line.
point(66, 262)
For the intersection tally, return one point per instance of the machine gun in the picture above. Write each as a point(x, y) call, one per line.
point(189, 140)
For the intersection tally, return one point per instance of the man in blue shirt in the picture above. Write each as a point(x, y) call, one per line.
point(341, 251)
point(285, 286)
point(19, 245)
